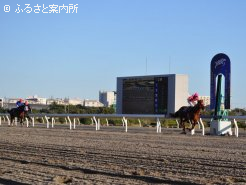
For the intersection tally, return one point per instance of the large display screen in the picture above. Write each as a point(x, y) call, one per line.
point(145, 95)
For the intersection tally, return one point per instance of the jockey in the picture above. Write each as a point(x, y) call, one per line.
point(27, 109)
point(192, 100)
point(19, 103)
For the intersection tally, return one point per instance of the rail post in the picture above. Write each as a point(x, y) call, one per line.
point(140, 124)
point(47, 121)
point(74, 123)
point(52, 122)
point(107, 121)
point(98, 124)
point(95, 121)
point(27, 122)
point(33, 119)
point(42, 120)
point(177, 123)
point(78, 121)
point(70, 123)
point(236, 127)
point(125, 122)
point(158, 125)
point(203, 129)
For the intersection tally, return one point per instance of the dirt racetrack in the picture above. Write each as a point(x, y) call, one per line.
point(111, 156)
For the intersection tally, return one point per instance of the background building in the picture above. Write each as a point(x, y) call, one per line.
point(44, 103)
point(75, 101)
point(155, 94)
point(107, 98)
point(92, 103)
point(36, 100)
point(206, 100)
point(12, 100)
point(58, 101)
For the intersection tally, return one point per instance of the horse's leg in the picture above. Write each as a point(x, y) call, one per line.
point(21, 121)
point(11, 120)
point(22, 118)
point(28, 117)
point(190, 128)
point(184, 127)
point(193, 124)
point(182, 124)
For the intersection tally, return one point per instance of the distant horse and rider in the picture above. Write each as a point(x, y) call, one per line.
point(190, 114)
point(20, 112)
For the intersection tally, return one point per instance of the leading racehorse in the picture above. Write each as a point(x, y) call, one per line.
point(18, 112)
point(189, 114)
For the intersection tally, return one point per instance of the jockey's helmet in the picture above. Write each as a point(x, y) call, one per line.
point(195, 95)
point(20, 100)
point(26, 102)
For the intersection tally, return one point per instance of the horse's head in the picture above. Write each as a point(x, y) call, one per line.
point(200, 104)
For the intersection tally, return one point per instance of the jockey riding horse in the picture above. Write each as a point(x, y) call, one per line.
point(189, 114)
point(20, 112)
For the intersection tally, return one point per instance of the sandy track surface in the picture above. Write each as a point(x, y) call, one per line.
point(111, 156)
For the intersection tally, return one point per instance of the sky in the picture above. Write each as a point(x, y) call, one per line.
point(76, 55)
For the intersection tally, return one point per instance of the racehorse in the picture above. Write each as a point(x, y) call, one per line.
point(189, 114)
point(18, 113)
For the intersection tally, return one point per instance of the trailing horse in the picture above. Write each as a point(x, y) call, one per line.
point(18, 113)
point(189, 114)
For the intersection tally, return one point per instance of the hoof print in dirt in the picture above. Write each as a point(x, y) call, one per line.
point(62, 179)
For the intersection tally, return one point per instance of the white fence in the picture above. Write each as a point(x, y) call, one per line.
point(96, 119)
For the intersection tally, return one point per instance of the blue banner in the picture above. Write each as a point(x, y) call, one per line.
point(220, 64)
